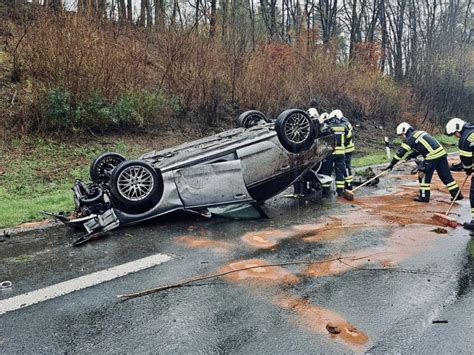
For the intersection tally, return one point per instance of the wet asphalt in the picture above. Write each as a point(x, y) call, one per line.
point(394, 307)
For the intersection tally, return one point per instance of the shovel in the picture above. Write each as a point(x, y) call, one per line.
point(444, 218)
point(349, 195)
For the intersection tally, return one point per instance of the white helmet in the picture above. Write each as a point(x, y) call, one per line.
point(336, 113)
point(313, 113)
point(402, 128)
point(454, 125)
point(324, 117)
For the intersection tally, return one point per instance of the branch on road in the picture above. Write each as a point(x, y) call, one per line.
point(301, 262)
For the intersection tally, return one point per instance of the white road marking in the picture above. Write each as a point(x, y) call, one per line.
point(63, 288)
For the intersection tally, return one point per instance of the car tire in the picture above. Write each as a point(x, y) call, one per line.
point(295, 129)
point(251, 118)
point(102, 167)
point(136, 183)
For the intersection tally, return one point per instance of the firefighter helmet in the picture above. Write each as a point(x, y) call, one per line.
point(324, 117)
point(454, 125)
point(313, 113)
point(336, 113)
point(403, 128)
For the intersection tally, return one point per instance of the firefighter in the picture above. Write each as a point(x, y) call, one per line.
point(465, 132)
point(336, 161)
point(416, 142)
point(349, 142)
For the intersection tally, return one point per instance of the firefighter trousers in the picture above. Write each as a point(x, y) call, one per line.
point(441, 166)
point(349, 178)
point(335, 162)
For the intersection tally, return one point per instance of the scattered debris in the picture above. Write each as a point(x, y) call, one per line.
point(331, 328)
point(439, 321)
point(349, 195)
point(439, 230)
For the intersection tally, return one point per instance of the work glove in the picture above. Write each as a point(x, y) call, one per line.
point(468, 171)
point(389, 167)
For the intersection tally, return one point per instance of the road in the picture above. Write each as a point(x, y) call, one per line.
point(369, 275)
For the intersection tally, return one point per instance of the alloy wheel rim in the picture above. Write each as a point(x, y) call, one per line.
point(135, 183)
point(297, 128)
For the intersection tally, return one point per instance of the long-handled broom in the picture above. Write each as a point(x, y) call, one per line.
point(444, 218)
point(349, 195)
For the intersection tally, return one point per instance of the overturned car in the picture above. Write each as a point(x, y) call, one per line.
point(246, 165)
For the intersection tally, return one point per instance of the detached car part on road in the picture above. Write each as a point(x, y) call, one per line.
point(247, 165)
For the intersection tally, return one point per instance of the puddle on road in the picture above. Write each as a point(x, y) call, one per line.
point(320, 319)
point(466, 279)
point(271, 274)
point(198, 242)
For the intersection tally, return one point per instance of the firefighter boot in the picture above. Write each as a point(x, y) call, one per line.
point(421, 199)
point(453, 195)
point(469, 225)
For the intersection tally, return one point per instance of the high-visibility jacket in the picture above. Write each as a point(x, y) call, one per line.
point(349, 138)
point(420, 143)
point(340, 131)
point(466, 145)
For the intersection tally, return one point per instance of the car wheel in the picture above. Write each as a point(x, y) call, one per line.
point(251, 118)
point(295, 130)
point(136, 183)
point(102, 167)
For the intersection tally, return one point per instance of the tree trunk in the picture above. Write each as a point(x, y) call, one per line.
point(213, 19)
point(129, 11)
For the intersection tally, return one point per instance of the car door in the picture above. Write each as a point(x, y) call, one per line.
point(211, 184)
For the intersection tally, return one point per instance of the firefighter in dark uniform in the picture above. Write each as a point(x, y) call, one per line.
point(417, 142)
point(465, 132)
point(336, 161)
point(350, 147)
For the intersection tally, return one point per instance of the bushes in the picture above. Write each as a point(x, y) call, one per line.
point(132, 109)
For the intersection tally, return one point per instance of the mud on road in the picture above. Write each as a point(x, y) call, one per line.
point(375, 273)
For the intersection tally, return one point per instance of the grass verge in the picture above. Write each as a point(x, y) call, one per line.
point(37, 174)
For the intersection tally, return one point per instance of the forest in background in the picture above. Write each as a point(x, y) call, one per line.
point(99, 65)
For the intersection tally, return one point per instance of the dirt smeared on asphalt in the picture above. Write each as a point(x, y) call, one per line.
point(199, 242)
point(412, 232)
point(399, 207)
point(400, 245)
point(323, 320)
point(264, 274)
point(265, 239)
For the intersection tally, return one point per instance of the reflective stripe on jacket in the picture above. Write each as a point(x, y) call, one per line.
point(420, 143)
